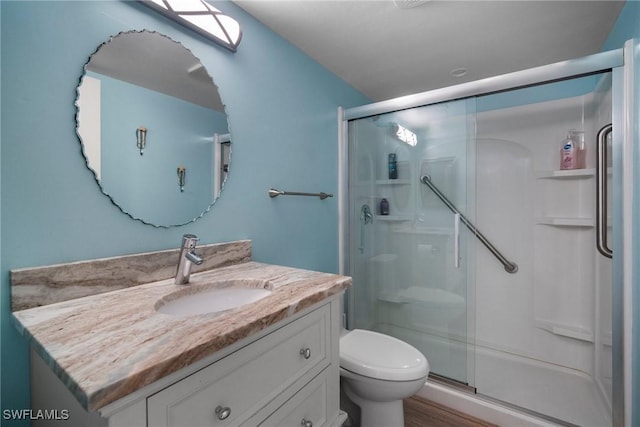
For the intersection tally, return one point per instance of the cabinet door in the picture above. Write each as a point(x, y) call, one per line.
point(232, 389)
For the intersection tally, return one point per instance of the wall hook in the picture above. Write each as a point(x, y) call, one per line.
point(182, 176)
point(141, 139)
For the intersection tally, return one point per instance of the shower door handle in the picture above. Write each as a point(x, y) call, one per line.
point(601, 192)
point(456, 240)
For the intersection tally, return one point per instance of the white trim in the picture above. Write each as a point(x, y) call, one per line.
point(343, 190)
point(628, 158)
point(485, 410)
point(543, 74)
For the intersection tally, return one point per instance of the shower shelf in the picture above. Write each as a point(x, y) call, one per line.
point(429, 231)
point(392, 218)
point(566, 174)
point(393, 298)
point(392, 182)
point(568, 331)
point(565, 221)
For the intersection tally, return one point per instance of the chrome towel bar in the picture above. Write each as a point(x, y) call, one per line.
point(275, 193)
point(509, 266)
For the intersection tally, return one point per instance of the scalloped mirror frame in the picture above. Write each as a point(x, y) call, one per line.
point(217, 139)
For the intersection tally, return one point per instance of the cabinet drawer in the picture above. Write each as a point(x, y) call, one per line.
point(308, 407)
point(246, 380)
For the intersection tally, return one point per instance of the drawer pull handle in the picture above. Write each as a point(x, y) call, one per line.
point(223, 413)
point(306, 423)
point(306, 353)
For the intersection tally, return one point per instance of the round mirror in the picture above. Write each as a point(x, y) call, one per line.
point(153, 128)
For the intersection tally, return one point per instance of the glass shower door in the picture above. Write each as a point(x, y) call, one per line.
point(543, 335)
point(408, 252)
point(547, 340)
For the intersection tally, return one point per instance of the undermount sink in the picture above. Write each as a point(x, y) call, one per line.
point(213, 297)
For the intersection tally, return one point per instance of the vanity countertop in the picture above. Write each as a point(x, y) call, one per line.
point(106, 346)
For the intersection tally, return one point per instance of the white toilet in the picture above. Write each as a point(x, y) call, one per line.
point(378, 372)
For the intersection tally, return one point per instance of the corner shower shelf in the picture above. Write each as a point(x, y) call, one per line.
point(565, 222)
point(566, 174)
point(430, 231)
point(392, 182)
point(392, 218)
point(568, 331)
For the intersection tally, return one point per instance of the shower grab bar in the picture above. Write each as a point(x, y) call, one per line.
point(601, 192)
point(275, 193)
point(509, 267)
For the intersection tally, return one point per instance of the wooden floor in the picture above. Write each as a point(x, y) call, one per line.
point(419, 412)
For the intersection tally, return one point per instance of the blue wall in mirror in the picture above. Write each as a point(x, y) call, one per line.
point(282, 112)
point(178, 133)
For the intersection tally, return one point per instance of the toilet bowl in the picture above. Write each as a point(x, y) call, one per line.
point(378, 372)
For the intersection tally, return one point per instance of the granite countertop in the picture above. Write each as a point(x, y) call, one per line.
point(106, 346)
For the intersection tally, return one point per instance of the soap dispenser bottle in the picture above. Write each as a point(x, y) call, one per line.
point(569, 153)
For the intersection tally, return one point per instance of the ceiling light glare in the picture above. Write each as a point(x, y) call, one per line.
point(405, 135)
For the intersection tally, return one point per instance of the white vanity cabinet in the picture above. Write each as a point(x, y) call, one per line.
point(285, 375)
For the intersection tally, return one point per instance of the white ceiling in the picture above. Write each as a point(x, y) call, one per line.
point(153, 61)
point(386, 51)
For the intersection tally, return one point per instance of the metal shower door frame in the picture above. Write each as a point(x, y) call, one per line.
point(621, 63)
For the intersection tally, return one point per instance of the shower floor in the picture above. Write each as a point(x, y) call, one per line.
point(554, 391)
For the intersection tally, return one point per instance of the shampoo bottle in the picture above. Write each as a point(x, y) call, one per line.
point(393, 166)
point(384, 207)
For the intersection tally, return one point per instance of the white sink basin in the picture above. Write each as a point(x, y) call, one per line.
point(213, 297)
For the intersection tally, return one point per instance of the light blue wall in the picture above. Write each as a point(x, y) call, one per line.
point(282, 110)
point(627, 27)
point(539, 93)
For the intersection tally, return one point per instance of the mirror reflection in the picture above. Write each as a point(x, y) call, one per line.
point(153, 128)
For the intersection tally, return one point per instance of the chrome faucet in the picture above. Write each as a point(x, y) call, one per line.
point(188, 256)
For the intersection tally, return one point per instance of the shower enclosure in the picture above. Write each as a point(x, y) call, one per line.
point(472, 244)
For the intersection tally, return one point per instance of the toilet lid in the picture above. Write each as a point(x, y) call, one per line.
point(375, 355)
